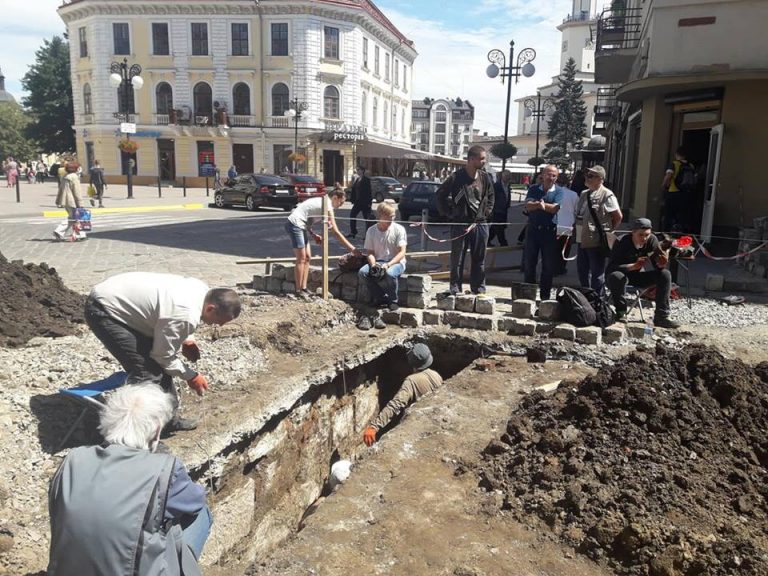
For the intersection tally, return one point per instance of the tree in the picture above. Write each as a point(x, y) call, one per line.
point(504, 151)
point(566, 126)
point(13, 138)
point(49, 102)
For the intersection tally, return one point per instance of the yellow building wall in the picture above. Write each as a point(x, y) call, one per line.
point(652, 159)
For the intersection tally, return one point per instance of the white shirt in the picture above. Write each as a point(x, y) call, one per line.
point(309, 211)
point(385, 245)
point(164, 307)
point(567, 214)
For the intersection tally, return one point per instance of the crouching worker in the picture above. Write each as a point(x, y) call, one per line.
point(385, 245)
point(626, 265)
point(421, 382)
point(122, 508)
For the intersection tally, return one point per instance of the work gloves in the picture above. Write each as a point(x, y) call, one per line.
point(369, 436)
point(190, 351)
point(199, 384)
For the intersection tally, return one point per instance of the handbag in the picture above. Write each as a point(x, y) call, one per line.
point(605, 247)
point(91, 191)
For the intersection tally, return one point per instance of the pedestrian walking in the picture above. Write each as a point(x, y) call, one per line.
point(362, 199)
point(498, 228)
point(11, 169)
point(679, 186)
point(98, 183)
point(42, 172)
point(70, 197)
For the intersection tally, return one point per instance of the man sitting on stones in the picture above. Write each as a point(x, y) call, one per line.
point(421, 382)
point(626, 266)
point(146, 319)
point(122, 507)
point(385, 244)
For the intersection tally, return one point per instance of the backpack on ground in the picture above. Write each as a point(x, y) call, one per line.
point(352, 262)
point(575, 308)
point(686, 177)
point(604, 315)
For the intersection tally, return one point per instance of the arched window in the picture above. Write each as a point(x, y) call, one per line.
point(203, 102)
point(241, 99)
point(331, 102)
point(87, 106)
point(440, 113)
point(164, 98)
point(385, 117)
point(280, 99)
point(375, 112)
point(364, 109)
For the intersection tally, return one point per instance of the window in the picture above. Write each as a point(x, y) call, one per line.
point(385, 117)
point(203, 103)
point(331, 42)
point(164, 98)
point(81, 35)
point(365, 53)
point(206, 158)
point(439, 138)
point(386, 67)
point(87, 107)
point(241, 99)
point(364, 109)
point(239, 39)
point(397, 72)
point(331, 102)
point(394, 118)
point(121, 38)
point(375, 112)
point(440, 115)
point(160, 44)
point(280, 39)
point(376, 60)
point(280, 99)
point(199, 39)
point(402, 123)
point(405, 78)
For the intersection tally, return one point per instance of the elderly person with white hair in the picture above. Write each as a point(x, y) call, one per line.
point(123, 507)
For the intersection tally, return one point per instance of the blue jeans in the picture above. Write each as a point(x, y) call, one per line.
point(196, 532)
point(386, 294)
point(299, 236)
point(590, 264)
point(540, 240)
point(477, 242)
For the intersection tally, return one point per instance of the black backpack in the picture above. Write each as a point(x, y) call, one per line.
point(575, 308)
point(603, 311)
point(686, 177)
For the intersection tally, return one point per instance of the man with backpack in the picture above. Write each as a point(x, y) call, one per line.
point(679, 185)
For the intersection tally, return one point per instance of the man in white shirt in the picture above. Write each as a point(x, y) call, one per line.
point(565, 219)
point(386, 245)
point(145, 319)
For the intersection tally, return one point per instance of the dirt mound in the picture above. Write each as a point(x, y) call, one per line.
point(655, 465)
point(35, 302)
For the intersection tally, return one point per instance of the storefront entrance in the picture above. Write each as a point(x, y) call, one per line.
point(333, 167)
point(166, 160)
point(242, 158)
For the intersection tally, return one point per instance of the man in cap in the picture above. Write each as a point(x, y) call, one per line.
point(627, 263)
point(421, 382)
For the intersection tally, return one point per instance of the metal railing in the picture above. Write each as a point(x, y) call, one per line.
point(619, 29)
point(605, 103)
point(162, 119)
point(132, 118)
point(279, 122)
point(242, 120)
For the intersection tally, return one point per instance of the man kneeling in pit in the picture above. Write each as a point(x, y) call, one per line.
point(421, 382)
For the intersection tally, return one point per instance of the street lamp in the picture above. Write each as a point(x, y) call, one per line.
point(499, 66)
point(537, 109)
point(126, 79)
point(295, 110)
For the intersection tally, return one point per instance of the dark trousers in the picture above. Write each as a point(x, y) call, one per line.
point(564, 245)
point(540, 240)
point(675, 211)
point(590, 264)
point(128, 347)
point(365, 210)
point(498, 229)
point(662, 279)
point(477, 242)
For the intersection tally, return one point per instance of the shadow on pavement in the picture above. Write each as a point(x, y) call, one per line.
point(55, 416)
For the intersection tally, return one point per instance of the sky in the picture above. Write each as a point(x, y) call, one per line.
point(452, 37)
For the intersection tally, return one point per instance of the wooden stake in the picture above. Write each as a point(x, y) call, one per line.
point(326, 221)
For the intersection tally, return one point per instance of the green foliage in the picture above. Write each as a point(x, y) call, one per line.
point(50, 97)
point(13, 138)
point(504, 151)
point(567, 125)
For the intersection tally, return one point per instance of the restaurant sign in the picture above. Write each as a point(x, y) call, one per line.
point(346, 133)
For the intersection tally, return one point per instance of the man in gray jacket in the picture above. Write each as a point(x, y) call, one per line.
point(123, 509)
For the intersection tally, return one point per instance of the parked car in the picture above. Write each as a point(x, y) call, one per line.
point(384, 187)
point(419, 195)
point(305, 186)
point(257, 190)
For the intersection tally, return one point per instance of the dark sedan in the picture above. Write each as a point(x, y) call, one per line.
point(418, 196)
point(306, 186)
point(384, 187)
point(257, 190)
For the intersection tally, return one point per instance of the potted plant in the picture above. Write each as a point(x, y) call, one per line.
point(297, 157)
point(128, 146)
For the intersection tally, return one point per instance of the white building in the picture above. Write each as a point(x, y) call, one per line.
point(442, 126)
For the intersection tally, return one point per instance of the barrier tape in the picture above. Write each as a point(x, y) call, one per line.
point(708, 254)
point(565, 249)
point(439, 240)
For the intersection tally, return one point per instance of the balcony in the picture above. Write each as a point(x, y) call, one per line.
point(131, 118)
point(242, 121)
point(618, 38)
point(605, 105)
point(279, 122)
point(162, 119)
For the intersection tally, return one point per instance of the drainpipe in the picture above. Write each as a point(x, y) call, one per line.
point(259, 16)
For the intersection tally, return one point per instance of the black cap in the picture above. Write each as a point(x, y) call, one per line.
point(641, 224)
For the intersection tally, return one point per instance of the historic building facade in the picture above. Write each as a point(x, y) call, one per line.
point(442, 126)
point(219, 78)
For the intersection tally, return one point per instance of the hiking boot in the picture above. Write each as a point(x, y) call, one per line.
point(393, 307)
point(178, 423)
point(378, 323)
point(666, 322)
point(364, 323)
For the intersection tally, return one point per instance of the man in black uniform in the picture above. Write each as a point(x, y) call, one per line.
point(361, 202)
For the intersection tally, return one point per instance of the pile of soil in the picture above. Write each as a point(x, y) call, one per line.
point(35, 302)
point(654, 466)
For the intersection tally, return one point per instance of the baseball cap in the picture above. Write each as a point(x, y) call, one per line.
point(641, 224)
point(597, 169)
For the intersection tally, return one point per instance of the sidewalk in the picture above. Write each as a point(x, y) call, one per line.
point(39, 198)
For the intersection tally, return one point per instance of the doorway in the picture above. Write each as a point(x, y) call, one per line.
point(242, 158)
point(166, 160)
point(333, 167)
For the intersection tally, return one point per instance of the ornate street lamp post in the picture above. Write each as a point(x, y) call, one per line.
point(126, 79)
point(295, 110)
point(499, 66)
point(535, 108)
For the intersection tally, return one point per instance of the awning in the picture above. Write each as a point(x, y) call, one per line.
point(373, 149)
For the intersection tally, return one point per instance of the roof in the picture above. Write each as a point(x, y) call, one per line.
point(4, 95)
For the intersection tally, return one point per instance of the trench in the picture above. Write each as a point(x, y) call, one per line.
point(278, 474)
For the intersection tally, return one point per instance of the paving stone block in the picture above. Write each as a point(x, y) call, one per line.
point(564, 332)
point(289, 287)
point(523, 308)
point(635, 330)
point(315, 275)
point(523, 327)
point(589, 335)
point(416, 299)
point(433, 317)
point(485, 322)
point(452, 318)
point(465, 303)
point(259, 283)
point(419, 282)
point(279, 271)
point(411, 318)
point(714, 282)
point(446, 302)
point(390, 316)
point(615, 333)
point(505, 323)
point(523, 291)
point(274, 285)
point(549, 310)
point(545, 327)
point(485, 305)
